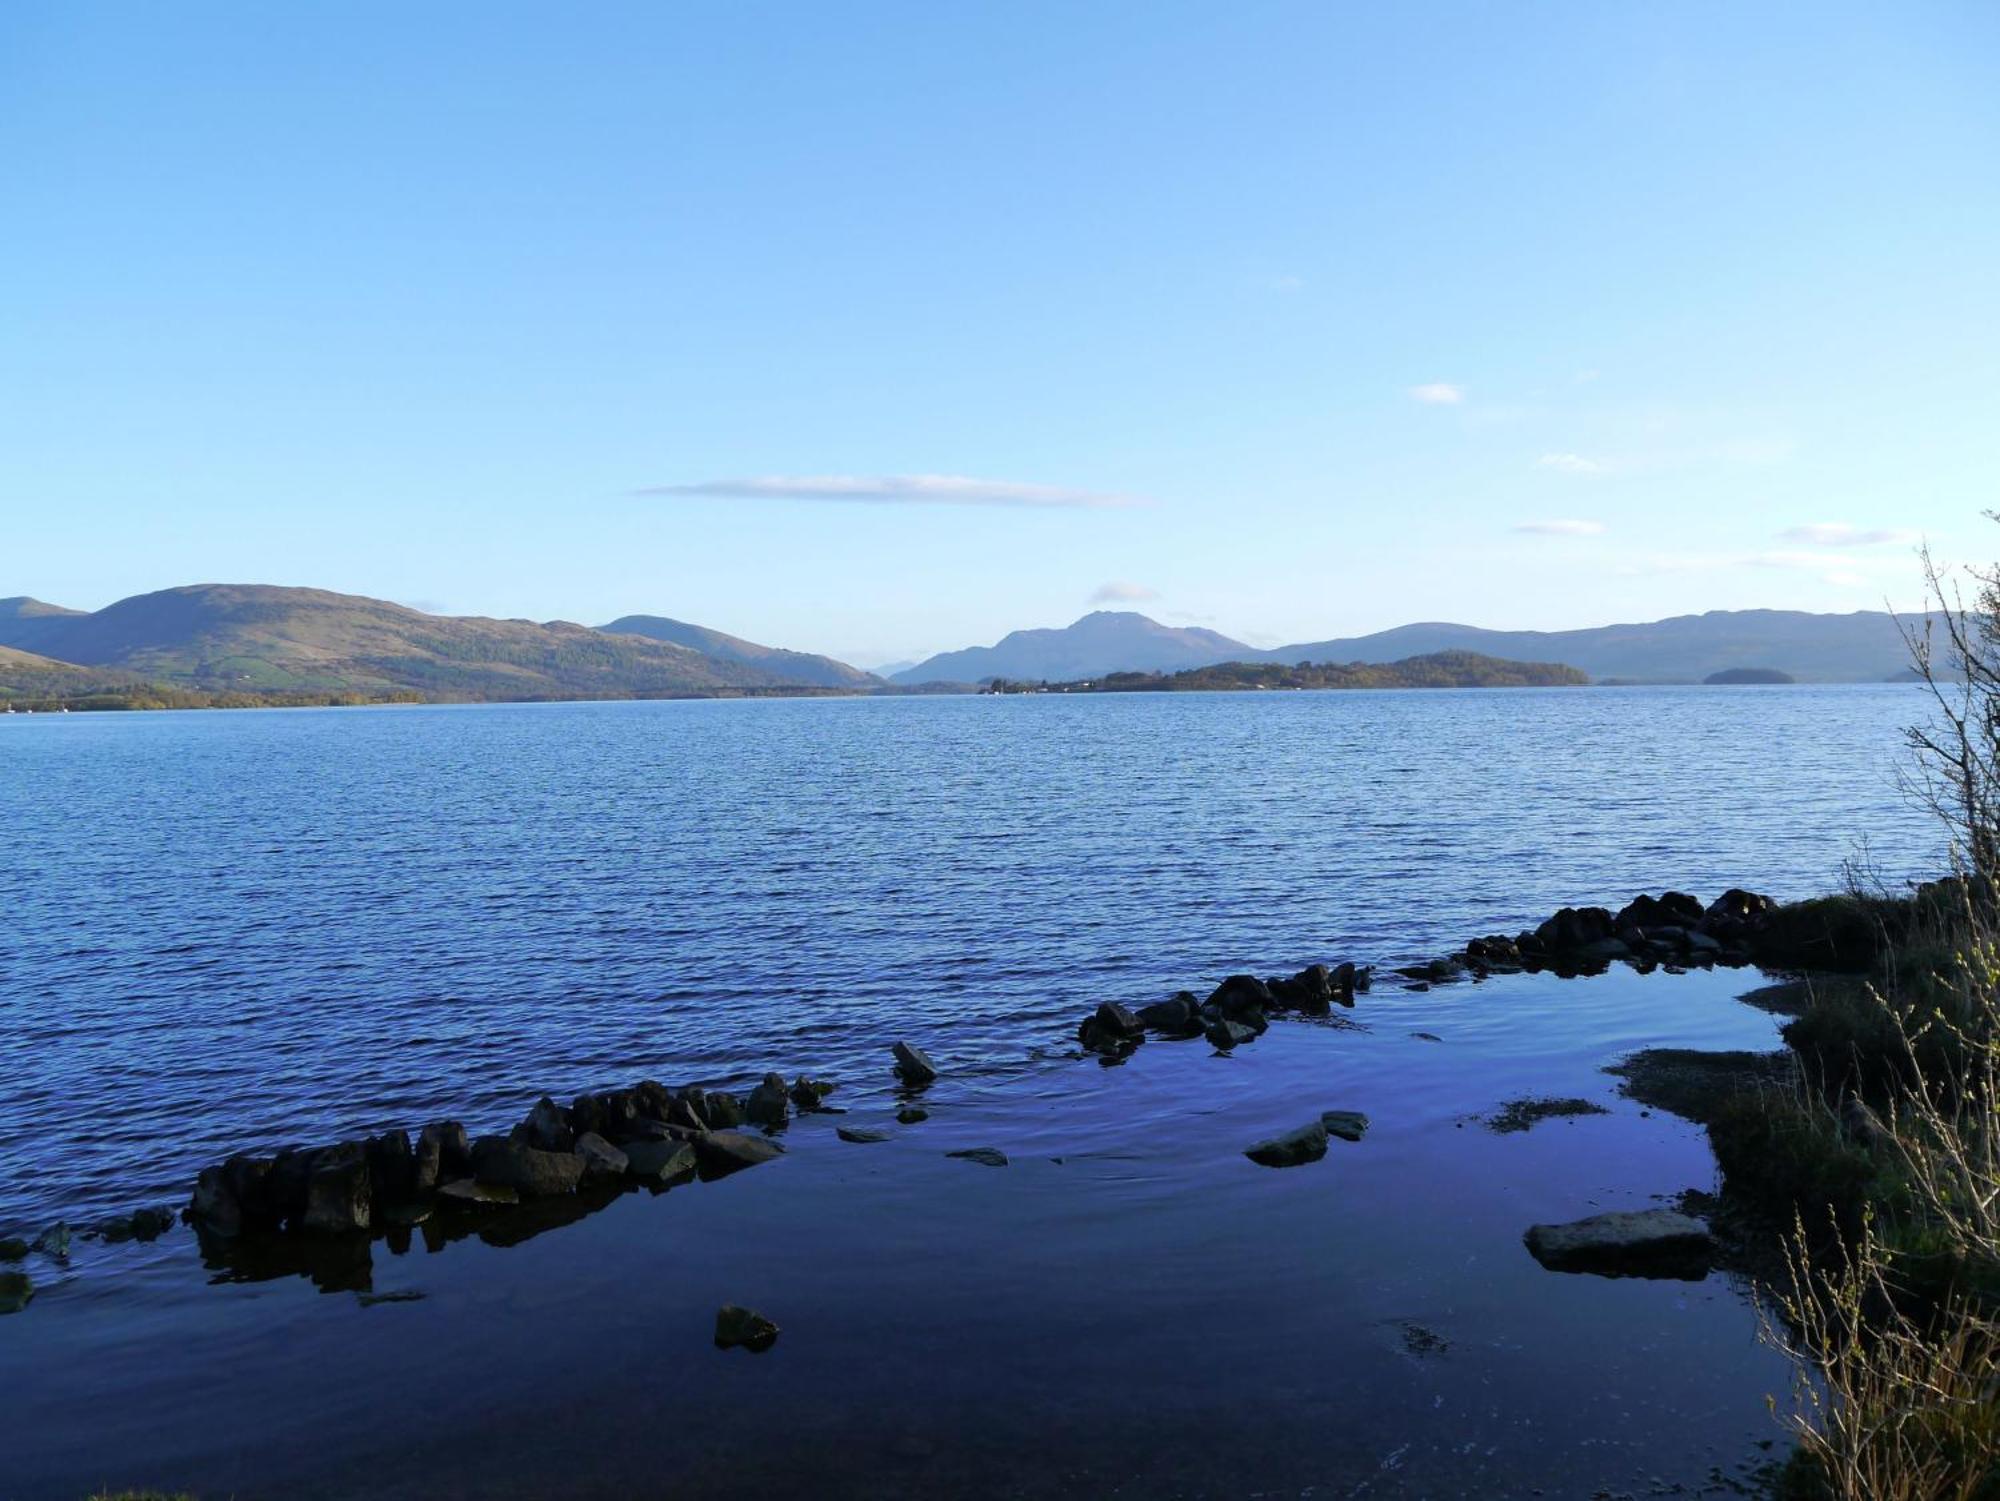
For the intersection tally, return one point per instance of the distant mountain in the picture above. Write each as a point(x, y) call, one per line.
point(1864, 647)
point(793, 666)
point(24, 618)
point(1103, 641)
point(258, 638)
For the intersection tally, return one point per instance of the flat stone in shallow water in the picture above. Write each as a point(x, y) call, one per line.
point(16, 1288)
point(741, 1326)
point(984, 1156)
point(1638, 1243)
point(860, 1133)
point(1306, 1144)
point(1348, 1125)
point(721, 1152)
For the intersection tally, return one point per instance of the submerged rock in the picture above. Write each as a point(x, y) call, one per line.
point(13, 1248)
point(1525, 1115)
point(742, 1327)
point(1642, 1243)
point(16, 1291)
point(1305, 1144)
point(913, 1064)
point(910, 1115)
point(54, 1242)
point(1348, 1125)
point(860, 1134)
point(140, 1225)
point(470, 1191)
point(984, 1156)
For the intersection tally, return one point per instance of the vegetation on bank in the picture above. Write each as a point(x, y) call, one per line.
point(1861, 1167)
point(1444, 669)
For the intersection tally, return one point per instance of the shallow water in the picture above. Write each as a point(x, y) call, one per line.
point(1130, 1307)
point(233, 930)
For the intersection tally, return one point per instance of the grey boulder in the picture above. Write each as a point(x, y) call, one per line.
point(1636, 1243)
point(499, 1162)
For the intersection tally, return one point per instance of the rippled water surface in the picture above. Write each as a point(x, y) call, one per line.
point(226, 929)
point(235, 930)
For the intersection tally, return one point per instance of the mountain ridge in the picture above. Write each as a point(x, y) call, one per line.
point(272, 639)
point(1123, 639)
point(1860, 646)
point(803, 667)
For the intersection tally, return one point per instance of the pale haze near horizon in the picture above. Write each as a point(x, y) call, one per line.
point(885, 329)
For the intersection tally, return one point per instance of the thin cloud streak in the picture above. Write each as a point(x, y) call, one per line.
point(1844, 534)
point(1561, 528)
point(1438, 393)
point(1569, 463)
point(1118, 591)
point(899, 489)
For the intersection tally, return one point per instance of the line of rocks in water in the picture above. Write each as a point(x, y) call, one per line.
point(1672, 931)
point(647, 1135)
point(563, 1161)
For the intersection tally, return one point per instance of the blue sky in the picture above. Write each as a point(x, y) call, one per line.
point(880, 329)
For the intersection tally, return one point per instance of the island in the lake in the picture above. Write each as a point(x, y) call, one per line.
point(1441, 669)
point(1737, 677)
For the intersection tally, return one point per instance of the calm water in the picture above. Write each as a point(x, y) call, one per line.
point(230, 930)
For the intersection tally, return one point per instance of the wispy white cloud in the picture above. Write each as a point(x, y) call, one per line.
point(1569, 463)
point(1117, 590)
point(1438, 393)
point(898, 489)
point(1564, 528)
point(1287, 283)
point(1844, 534)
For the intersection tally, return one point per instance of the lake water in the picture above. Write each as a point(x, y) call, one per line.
point(235, 930)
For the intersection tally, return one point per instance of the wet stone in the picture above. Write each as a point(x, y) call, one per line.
point(984, 1156)
point(1291, 1149)
point(742, 1327)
